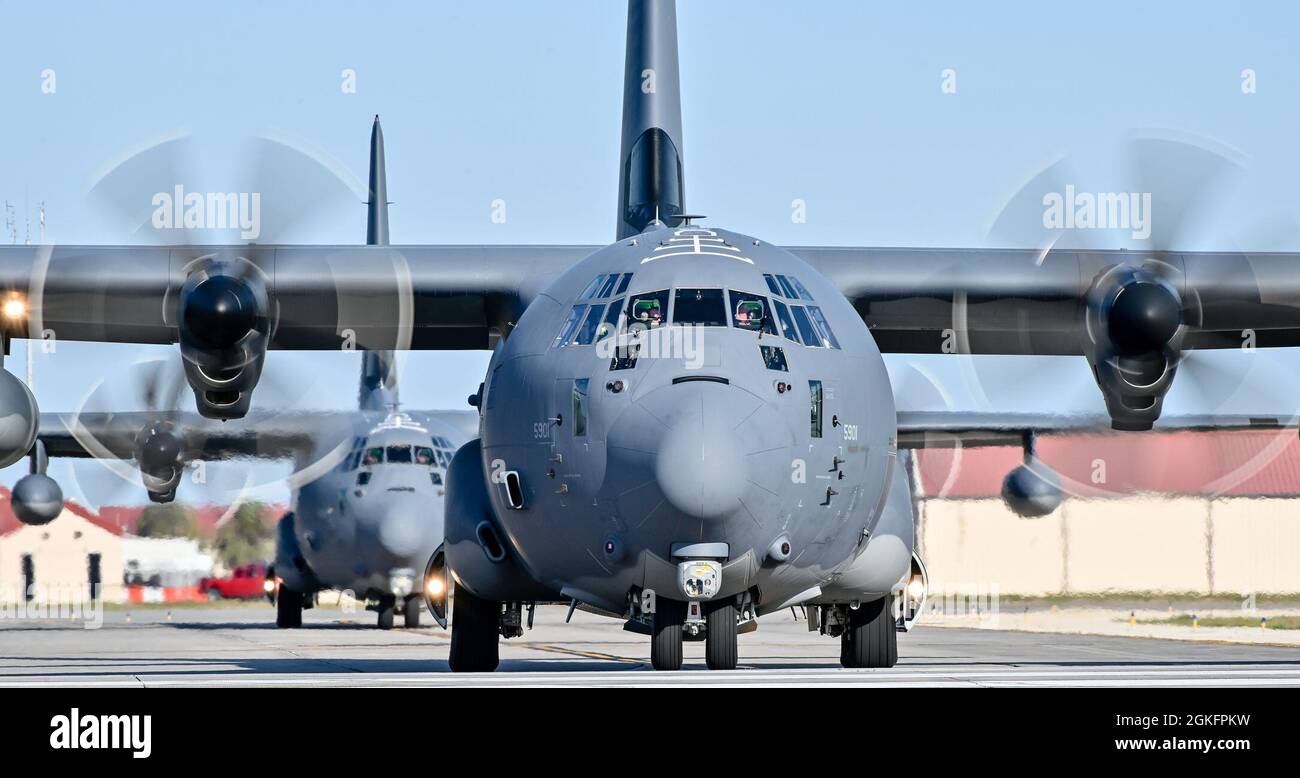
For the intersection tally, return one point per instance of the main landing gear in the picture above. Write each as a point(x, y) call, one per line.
point(475, 625)
point(870, 635)
point(288, 608)
point(388, 606)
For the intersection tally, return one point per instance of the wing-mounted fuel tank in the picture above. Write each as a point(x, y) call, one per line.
point(225, 326)
point(479, 554)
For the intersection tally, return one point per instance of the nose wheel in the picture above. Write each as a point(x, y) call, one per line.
point(720, 651)
point(666, 635)
point(386, 608)
point(411, 612)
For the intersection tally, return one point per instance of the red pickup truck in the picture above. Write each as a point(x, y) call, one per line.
point(244, 583)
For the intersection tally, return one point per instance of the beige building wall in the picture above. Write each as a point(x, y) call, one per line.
point(1256, 546)
point(976, 544)
point(1136, 544)
point(60, 556)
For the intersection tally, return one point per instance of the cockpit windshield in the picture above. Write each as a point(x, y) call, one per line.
point(399, 455)
point(700, 307)
point(423, 455)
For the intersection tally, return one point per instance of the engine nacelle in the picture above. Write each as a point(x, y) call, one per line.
point(478, 553)
point(224, 331)
point(1135, 331)
point(19, 418)
point(1032, 489)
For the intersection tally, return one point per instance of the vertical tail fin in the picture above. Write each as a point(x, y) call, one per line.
point(378, 368)
point(651, 183)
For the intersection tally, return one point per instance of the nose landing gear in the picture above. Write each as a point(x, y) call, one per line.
point(720, 652)
point(666, 640)
point(675, 621)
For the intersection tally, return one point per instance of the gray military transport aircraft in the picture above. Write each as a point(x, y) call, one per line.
point(686, 429)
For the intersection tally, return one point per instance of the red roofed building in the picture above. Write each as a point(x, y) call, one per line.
point(76, 549)
point(1184, 512)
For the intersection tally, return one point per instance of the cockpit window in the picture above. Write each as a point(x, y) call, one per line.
point(436, 478)
point(772, 285)
point(828, 335)
point(805, 325)
point(647, 310)
point(580, 407)
point(787, 324)
point(815, 408)
point(622, 284)
point(363, 478)
point(801, 289)
point(373, 456)
point(424, 455)
point(774, 358)
point(399, 455)
point(787, 288)
point(701, 307)
point(610, 325)
point(587, 332)
point(570, 324)
point(591, 288)
point(750, 312)
point(607, 288)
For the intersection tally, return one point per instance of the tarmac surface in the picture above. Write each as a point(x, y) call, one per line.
point(238, 645)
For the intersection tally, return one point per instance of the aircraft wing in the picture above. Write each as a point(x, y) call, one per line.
point(262, 435)
point(1017, 301)
point(953, 429)
point(320, 297)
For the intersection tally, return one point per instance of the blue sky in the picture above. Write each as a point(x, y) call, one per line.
point(835, 103)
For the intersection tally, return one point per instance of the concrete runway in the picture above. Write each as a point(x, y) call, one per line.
point(239, 646)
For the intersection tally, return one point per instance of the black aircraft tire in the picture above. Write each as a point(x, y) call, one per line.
point(475, 625)
point(720, 651)
point(386, 608)
point(411, 612)
point(847, 658)
point(666, 638)
point(872, 640)
point(288, 608)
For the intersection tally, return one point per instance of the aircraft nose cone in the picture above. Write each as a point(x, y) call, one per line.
point(400, 533)
point(700, 466)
